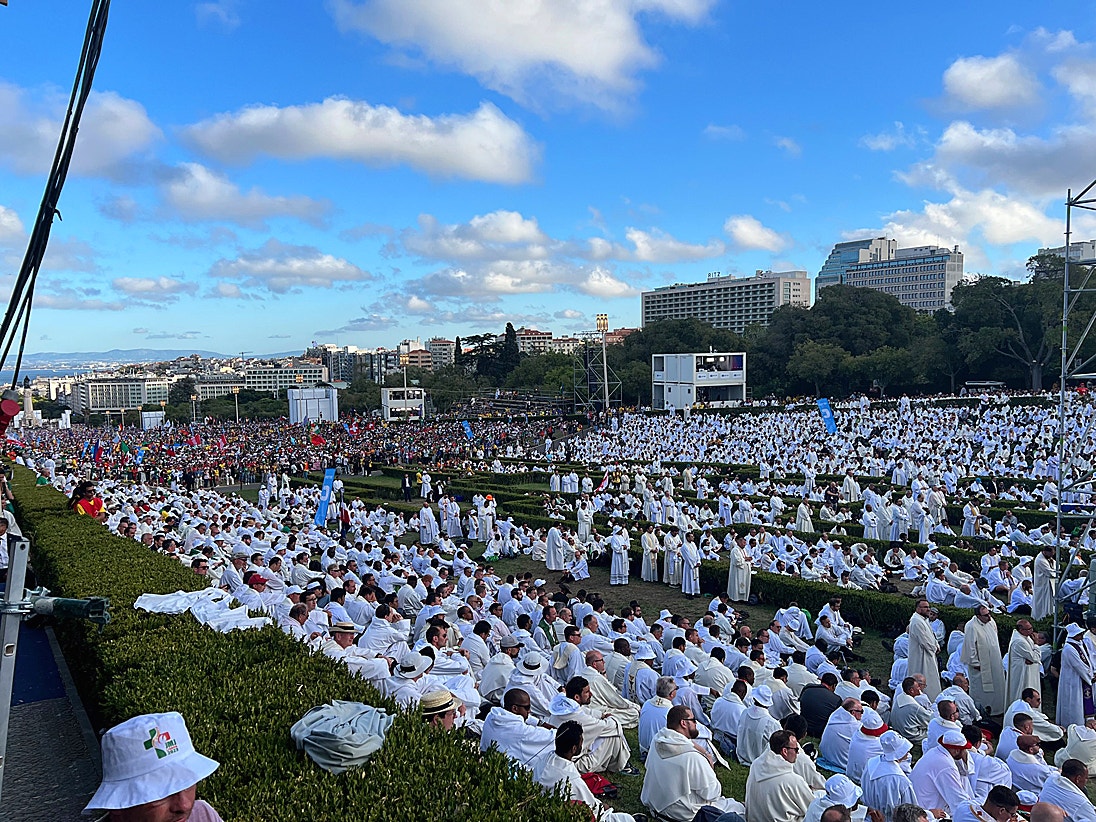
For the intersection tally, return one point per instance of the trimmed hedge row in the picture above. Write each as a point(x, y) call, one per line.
point(241, 692)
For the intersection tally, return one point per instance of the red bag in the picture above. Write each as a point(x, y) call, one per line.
point(600, 786)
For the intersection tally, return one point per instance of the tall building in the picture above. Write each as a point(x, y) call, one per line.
point(118, 393)
point(852, 253)
point(1081, 252)
point(442, 352)
point(274, 378)
point(531, 341)
point(728, 302)
point(922, 277)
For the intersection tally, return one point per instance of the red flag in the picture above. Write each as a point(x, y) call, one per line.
point(318, 440)
point(223, 442)
point(603, 484)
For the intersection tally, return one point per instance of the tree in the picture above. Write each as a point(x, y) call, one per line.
point(886, 365)
point(509, 353)
point(458, 353)
point(181, 392)
point(816, 363)
point(1020, 322)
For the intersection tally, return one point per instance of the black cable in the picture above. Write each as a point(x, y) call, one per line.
point(19, 306)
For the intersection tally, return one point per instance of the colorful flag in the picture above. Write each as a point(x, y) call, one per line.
point(316, 439)
point(604, 483)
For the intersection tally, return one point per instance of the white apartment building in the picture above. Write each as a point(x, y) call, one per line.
point(922, 277)
point(728, 302)
point(274, 378)
point(118, 393)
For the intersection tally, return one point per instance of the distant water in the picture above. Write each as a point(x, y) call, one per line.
point(34, 373)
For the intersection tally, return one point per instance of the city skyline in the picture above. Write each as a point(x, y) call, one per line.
point(369, 170)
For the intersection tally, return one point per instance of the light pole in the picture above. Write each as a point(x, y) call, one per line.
point(193, 407)
point(236, 398)
point(603, 327)
point(403, 361)
point(163, 412)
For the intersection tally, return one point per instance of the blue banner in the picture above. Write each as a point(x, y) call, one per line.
point(325, 496)
point(467, 429)
point(827, 416)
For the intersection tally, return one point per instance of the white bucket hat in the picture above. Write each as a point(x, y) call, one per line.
point(146, 759)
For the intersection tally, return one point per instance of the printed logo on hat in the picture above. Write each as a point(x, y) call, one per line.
point(161, 742)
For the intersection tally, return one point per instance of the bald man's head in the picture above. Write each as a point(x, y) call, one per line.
point(1045, 812)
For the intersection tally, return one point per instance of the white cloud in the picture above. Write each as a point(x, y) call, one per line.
point(281, 268)
point(535, 51)
point(899, 137)
point(113, 131)
point(602, 283)
point(198, 194)
point(748, 233)
point(789, 146)
point(223, 13)
point(153, 289)
point(1078, 77)
point(990, 82)
point(74, 299)
point(657, 247)
point(732, 132)
point(11, 227)
point(485, 145)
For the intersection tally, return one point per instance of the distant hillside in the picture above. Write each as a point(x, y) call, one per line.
point(78, 359)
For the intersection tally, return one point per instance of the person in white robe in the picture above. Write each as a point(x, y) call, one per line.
point(1029, 769)
point(803, 518)
point(619, 567)
point(671, 544)
point(558, 768)
point(923, 647)
point(650, 547)
point(690, 567)
point(513, 731)
point(774, 791)
point(496, 674)
point(428, 525)
point(940, 776)
point(957, 692)
point(1024, 661)
point(1075, 681)
point(604, 747)
point(726, 714)
point(680, 779)
point(982, 656)
point(1045, 584)
point(833, 749)
point(1067, 791)
point(530, 675)
point(908, 716)
point(739, 573)
point(604, 697)
point(756, 726)
point(554, 558)
point(865, 745)
point(1080, 744)
point(886, 781)
point(839, 790)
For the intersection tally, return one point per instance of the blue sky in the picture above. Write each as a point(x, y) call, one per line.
point(253, 176)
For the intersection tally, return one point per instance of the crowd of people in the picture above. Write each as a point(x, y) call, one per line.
point(553, 675)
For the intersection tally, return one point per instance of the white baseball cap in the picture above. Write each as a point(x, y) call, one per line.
point(146, 759)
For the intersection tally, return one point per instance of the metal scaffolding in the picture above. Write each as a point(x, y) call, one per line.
point(596, 386)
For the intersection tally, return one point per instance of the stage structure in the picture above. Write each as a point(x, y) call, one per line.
point(596, 387)
point(403, 403)
point(713, 380)
point(1076, 360)
point(313, 404)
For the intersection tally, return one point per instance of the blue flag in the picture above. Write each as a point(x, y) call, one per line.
point(325, 496)
point(467, 429)
point(827, 416)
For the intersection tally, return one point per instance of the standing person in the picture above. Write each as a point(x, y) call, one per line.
point(690, 567)
point(738, 575)
point(1024, 661)
point(554, 556)
point(982, 656)
point(1045, 584)
point(1075, 703)
point(671, 564)
point(649, 543)
point(618, 570)
point(151, 772)
point(405, 487)
point(428, 525)
point(923, 649)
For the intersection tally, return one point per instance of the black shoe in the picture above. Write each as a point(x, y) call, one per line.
point(629, 770)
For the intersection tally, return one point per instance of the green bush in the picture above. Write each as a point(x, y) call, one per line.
point(241, 692)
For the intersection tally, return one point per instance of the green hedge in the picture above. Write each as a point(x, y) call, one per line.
point(241, 693)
